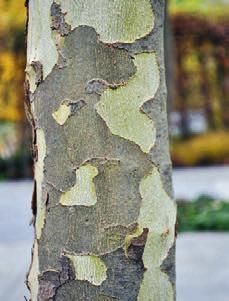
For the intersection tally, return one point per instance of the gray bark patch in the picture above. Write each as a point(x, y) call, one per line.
point(168, 265)
point(122, 283)
point(38, 69)
point(51, 280)
point(58, 22)
point(137, 246)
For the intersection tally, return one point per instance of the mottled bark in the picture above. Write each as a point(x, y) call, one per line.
point(104, 213)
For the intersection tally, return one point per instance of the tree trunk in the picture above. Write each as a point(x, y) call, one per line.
point(96, 98)
point(205, 90)
point(170, 59)
point(181, 83)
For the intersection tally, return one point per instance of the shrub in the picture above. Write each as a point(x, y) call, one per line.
point(206, 149)
point(204, 214)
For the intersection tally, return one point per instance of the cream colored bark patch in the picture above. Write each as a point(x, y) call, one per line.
point(41, 47)
point(34, 273)
point(89, 267)
point(83, 193)
point(62, 113)
point(114, 21)
point(39, 174)
point(158, 214)
point(156, 287)
point(120, 108)
point(31, 77)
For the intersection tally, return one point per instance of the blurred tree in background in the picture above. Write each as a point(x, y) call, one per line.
point(198, 84)
point(202, 81)
point(14, 132)
point(12, 60)
point(199, 119)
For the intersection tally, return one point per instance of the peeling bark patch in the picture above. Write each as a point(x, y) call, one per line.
point(83, 193)
point(34, 73)
point(89, 267)
point(67, 109)
point(48, 284)
point(58, 22)
point(76, 105)
point(137, 245)
point(40, 38)
point(62, 114)
point(33, 284)
point(38, 69)
point(39, 176)
point(114, 21)
point(120, 108)
point(51, 280)
point(158, 214)
point(98, 85)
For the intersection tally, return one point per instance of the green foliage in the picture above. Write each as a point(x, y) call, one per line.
point(15, 158)
point(206, 149)
point(17, 166)
point(207, 8)
point(8, 138)
point(204, 214)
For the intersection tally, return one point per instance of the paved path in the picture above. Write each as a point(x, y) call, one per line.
point(202, 259)
point(203, 267)
point(190, 183)
point(15, 238)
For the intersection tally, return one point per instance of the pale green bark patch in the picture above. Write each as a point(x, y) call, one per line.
point(89, 267)
point(66, 109)
point(39, 175)
point(62, 113)
point(158, 215)
point(83, 192)
point(33, 274)
point(120, 108)
point(156, 287)
point(157, 212)
point(31, 77)
point(40, 46)
point(114, 21)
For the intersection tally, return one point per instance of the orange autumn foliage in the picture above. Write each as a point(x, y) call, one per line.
point(12, 59)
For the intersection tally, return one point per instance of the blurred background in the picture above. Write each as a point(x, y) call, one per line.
point(196, 47)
